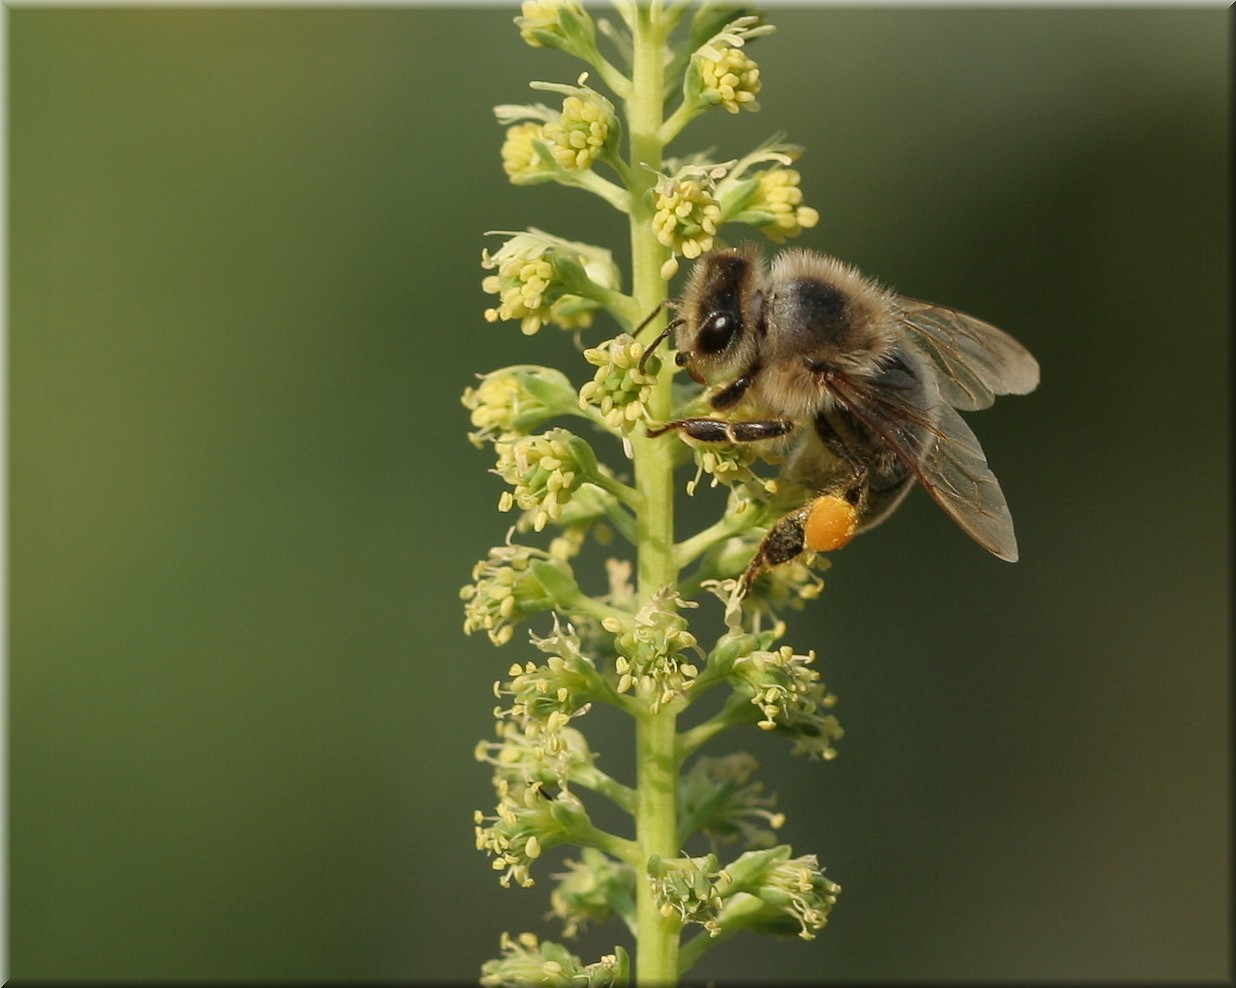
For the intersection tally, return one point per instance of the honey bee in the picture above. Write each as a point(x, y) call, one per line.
point(866, 381)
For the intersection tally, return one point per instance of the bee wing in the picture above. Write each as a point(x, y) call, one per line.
point(956, 475)
point(976, 361)
point(942, 452)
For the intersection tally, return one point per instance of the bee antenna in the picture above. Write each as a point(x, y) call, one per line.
point(670, 327)
point(663, 304)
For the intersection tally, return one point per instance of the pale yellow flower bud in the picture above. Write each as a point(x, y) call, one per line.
point(578, 138)
point(730, 77)
point(686, 217)
point(519, 158)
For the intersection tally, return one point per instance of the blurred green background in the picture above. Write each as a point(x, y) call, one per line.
point(244, 300)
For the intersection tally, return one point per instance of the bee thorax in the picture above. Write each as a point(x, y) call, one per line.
point(791, 388)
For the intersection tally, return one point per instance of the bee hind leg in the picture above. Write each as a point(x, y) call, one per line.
point(784, 541)
point(826, 523)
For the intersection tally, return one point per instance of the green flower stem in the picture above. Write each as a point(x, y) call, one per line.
point(698, 945)
point(734, 713)
point(656, 823)
point(621, 307)
point(656, 826)
point(615, 195)
point(654, 458)
point(622, 521)
point(618, 83)
point(587, 835)
point(682, 116)
point(625, 172)
point(690, 549)
point(627, 495)
point(591, 777)
point(577, 602)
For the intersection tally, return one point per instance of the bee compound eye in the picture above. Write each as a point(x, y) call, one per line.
point(717, 332)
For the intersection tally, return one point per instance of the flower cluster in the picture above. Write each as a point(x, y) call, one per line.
point(527, 822)
point(730, 464)
point(772, 892)
point(719, 799)
point(621, 388)
point(730, 78)
point(564, 145)
point(521, 756)
point(521, 157)
point(687, 888)
point(541, 22)
point(765, 890)
point(543, 279)
point(526, 960)
point(522, 285)
point(506, 590)
point(543, 471)
point(514, 400)
point(579, 135)
point(687, 216)
point(592, 890)
point(650, 650)
point(546, 696)
point(780, 196)
point(789, 694)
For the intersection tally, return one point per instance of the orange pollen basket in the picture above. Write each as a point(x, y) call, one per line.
point(830, 524)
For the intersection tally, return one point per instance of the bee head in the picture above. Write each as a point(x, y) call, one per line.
point(721, 315)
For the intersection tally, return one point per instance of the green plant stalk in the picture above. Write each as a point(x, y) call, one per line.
point(655, 675)
point(656, 823)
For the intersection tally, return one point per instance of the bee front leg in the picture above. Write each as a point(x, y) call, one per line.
point(719, 431)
